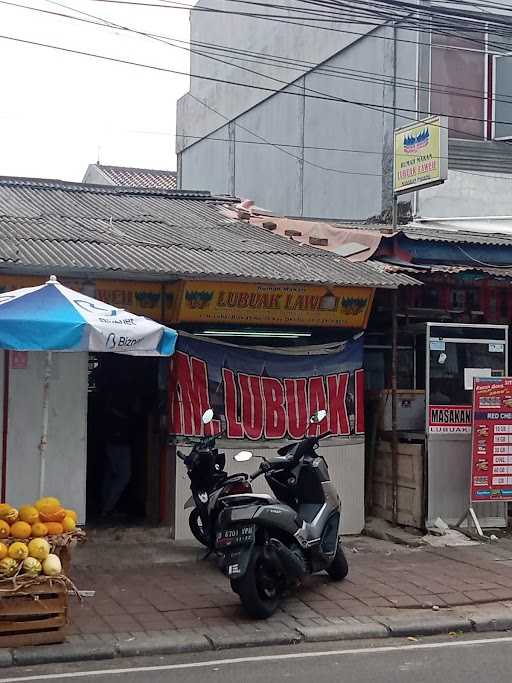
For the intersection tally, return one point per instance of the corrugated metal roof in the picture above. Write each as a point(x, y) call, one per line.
point(482, 231)
point(73, 227)
point(125, 176)
point(493, 230)
point(486, 156)
point(505, 273)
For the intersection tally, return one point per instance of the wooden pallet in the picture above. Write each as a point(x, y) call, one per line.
point(33, 616)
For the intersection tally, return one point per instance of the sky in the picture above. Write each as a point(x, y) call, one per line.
point(60, 112)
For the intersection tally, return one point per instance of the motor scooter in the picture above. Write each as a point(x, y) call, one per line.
point(268, 545)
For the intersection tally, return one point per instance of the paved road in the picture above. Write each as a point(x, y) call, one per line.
point(464, 660)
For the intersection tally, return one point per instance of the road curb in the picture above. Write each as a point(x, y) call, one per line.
point(176, 642)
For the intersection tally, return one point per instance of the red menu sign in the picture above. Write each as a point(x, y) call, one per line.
point(491, 462)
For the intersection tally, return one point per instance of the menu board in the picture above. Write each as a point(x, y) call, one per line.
point(491, 466)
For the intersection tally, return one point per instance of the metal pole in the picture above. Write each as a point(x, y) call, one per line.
point(394, 373)
point(43, 444)
point(394, 408)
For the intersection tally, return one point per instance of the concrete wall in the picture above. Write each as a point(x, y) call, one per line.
point(346, 467)
point(310, 43)
point(67, 447)
point(467, 194)
point(290, 177)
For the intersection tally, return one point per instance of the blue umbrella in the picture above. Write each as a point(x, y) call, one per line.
point(52, 317)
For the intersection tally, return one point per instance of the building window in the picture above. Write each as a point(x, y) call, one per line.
point(502, 87)
point(458, 83)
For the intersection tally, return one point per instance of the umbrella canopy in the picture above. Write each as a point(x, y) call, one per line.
point(54, 318)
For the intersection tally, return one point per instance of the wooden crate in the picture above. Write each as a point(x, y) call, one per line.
point(33, 616)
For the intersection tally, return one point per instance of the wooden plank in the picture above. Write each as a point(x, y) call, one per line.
point(40, 590)
point(14, 608)
point(32, 624)
point(38, 638)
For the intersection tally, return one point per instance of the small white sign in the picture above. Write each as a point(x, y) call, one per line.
point(437, 345)
point(496, 348)
point(471, 373)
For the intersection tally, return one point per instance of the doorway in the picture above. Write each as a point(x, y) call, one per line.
point(123, 454)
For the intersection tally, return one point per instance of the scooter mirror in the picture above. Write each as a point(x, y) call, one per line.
point(318, 416)
point(243, 456)
point(207, 416)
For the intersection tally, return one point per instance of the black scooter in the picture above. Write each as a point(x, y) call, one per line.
point(268, 546)
point(209, 483)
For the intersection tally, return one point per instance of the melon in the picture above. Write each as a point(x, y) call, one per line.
point(4, 509)
point(3, 551)
point(32, 566)
point(49, 513)
point(72, 514)
point(8, 566)
point(29, 514)
point(11, 516)
point(52, 566)
point(5, 529)
point(69, 524)
point(49, 502)
point(18, 551)
point(21, 530)
point(39, 548)
point(39, 529)
point(54, 528)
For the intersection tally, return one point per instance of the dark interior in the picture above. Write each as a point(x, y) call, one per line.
point(129, 384)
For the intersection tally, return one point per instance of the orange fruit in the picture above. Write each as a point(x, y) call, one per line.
point(55, 515)
point(21, 530)
point(68, 524)
point(72, 514)
point(39, 529)
point(5, 529)
point(54, 528)
point(29, 514)
point(3, 551)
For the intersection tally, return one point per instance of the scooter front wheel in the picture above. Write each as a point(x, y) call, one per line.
point(258, 588)
point(196, 527)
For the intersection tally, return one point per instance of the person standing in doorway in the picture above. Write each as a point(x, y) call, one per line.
point(119, 419)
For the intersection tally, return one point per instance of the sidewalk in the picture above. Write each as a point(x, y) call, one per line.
point(188, 605)
point(384, 579)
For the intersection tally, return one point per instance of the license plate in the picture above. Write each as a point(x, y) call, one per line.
point(241, 535)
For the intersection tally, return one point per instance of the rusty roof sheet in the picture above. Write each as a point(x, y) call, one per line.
point(74, 228)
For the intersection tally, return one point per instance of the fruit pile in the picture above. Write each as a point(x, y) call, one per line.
point(24, 548)
point(29, 559)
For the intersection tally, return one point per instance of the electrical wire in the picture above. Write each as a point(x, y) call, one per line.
point(316, 94)
point(276, 61)
point(217, 80)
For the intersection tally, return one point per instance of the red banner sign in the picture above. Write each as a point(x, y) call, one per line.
point(265, 394)
point(491, 462)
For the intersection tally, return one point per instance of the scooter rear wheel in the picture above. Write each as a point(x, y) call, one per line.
point(258, 588)
point(196, 527)
point(338, 569)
